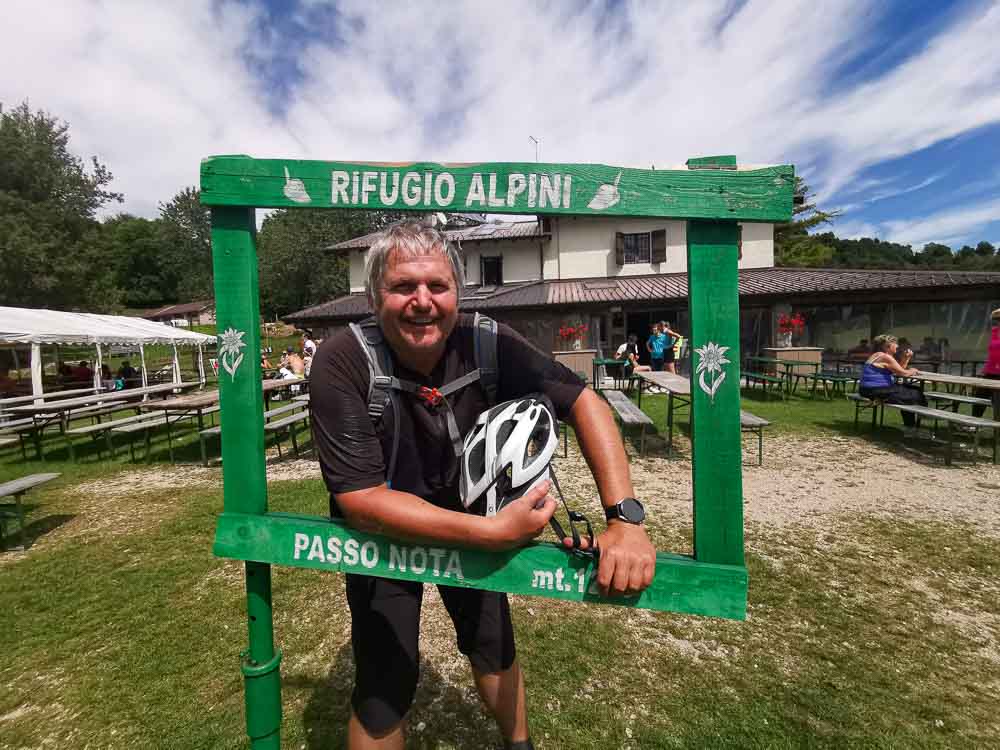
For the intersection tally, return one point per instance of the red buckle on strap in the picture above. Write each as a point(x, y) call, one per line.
point(430, 396)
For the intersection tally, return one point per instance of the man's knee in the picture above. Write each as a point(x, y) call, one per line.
point(381, 715)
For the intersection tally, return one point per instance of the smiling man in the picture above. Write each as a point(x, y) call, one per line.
point(413, 280)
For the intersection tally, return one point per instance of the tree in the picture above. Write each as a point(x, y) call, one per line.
point(811, 251)
point(296, 269)
point(48, 204)
point(138, 252)
point(985, 250)
point(805, 216)
point(188, 229)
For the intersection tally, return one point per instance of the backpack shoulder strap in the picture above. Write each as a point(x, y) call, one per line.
point(486, 356)
point(379, 361)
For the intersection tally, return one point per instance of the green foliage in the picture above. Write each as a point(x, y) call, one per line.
point(187, 227)
point(296, 269)
point(48, 200)
point(805, 217)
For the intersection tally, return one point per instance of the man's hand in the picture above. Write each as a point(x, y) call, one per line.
point(627, 559)
point(525, 518)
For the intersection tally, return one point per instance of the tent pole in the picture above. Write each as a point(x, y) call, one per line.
point(97, 367)
point(17, 363)
point(142, 364)
point(201, 364)
point(177, 366)
point(36, 372)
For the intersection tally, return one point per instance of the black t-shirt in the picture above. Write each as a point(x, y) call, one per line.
point(354, 455)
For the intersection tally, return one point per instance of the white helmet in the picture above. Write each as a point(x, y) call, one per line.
point(507, 453)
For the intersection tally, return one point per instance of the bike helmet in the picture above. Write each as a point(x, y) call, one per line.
point(507, 453)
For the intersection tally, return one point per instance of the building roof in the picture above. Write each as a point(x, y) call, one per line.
point(181, 309)
point(500, 230)
point(753, 283)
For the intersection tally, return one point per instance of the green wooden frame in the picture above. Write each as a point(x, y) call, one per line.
point(712, 194)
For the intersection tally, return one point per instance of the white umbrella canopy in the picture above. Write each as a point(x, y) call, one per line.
point(21, 325)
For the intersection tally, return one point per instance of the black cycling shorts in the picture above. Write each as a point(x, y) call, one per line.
point(385, 630)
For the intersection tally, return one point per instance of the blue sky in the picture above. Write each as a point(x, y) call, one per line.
point(890, 110)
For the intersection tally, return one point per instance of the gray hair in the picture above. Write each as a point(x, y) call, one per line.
point(409, 239)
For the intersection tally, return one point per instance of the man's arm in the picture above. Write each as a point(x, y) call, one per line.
point(400, 515)
point(627, 558)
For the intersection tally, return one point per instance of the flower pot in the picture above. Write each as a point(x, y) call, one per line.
point(784, 339)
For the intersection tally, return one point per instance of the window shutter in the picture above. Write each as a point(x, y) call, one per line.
point(659, 246)
point(619, 248)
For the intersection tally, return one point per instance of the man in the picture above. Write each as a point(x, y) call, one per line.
point(308, 345)
point(292, 362)
point(128, 375)
point(413, 280)
point(656, 344)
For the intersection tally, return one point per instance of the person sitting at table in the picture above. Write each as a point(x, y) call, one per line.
point(861, 351)
point(293, 362)
point(7, 384)
point(991, 369)
point(878, 379)
point(904, 352)
point(928, 349)
point(265, 363)
point(83, 373)
point(128, 374)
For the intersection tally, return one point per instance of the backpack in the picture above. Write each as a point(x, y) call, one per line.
point(383, 385)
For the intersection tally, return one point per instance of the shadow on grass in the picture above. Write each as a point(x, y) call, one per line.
point(35, 530)
point(442, 715)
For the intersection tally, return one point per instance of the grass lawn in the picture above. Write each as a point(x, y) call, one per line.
point(865, 630)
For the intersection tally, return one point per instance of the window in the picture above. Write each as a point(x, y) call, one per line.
point(642, 247)
point(637, 248)
point(492, 271)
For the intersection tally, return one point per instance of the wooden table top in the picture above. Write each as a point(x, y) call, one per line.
point(210, 398)
point(668, 380)
point(940, 377)
point(47, 396)
point(65, 404)
point(17, 486)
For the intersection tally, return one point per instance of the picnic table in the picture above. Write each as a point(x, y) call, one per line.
point(787, 366)
point(48, 395)
point(605, 362)
point(16, 489)
point(678, 390)
point(206, 402)
point(962, 382)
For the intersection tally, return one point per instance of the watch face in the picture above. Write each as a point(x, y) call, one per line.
point(632, 510)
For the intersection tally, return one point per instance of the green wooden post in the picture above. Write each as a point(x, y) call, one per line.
point(715, 391)
point(244, 478)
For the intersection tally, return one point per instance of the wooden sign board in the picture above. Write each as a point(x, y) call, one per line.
point(501, 188)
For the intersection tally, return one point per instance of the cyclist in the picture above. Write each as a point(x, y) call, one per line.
point(400, 478)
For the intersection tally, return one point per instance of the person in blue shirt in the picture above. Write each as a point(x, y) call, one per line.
point(668, 352)
point(656, 345)
point(878, 379)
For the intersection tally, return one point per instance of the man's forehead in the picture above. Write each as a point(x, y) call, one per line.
point(405, 263)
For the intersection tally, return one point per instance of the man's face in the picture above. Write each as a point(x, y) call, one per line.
point(419, 305)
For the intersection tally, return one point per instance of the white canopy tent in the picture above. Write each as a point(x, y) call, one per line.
point(37, 328)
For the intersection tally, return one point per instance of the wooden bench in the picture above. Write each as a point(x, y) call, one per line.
point(103, 429)
point(299, 402)
point(832, 382)
point(10, 511)
point(629, 414)
point(877, 406)
point(957, 400)
point(146, 426)
point(767, 382)
point(287, 424)
point(755, 425)
point(974, 424)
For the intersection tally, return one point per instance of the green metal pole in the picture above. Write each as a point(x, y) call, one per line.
point(713, 274)
point(244, 476)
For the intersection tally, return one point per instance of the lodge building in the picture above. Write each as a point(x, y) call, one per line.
point(619, 275)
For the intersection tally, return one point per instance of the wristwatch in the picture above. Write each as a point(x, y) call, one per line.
point(628, 509)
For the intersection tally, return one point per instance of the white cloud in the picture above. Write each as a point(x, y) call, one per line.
point(153, 87)
point(949, 227)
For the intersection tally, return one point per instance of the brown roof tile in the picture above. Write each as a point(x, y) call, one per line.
point(753, 282)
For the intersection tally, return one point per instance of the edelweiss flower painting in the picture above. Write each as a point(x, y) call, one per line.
point(711, 359)
point(229, 350)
